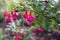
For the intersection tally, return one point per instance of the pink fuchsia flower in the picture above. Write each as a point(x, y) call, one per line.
point(15, 14)
point(25, 15)
point(30, 18)
point(15, 18)
point(40, 29)
point(17, 37)
point(8, 19)
point(5, 14)
point(8, 15)
point(34, 30)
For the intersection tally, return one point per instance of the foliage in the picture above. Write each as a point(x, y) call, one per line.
point(46, 17)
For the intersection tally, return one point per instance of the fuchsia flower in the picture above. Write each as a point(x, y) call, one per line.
point(8, 15)
point(15, 14)
point(25, 15)
point(40, 29)
point(14, 18)
point(17, 37)
point(5, 14)
point(34, 30)
point(30, 18)
point(8, 19)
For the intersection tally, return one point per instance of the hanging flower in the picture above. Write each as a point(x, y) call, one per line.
point(5, 14)
point(25, 15)
point(40, 29)
point(15, 14)
point(34, 30)
point(8, 19)
point(30, 18)
point(8, 15)
point(14, 18)
point(17, 37)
